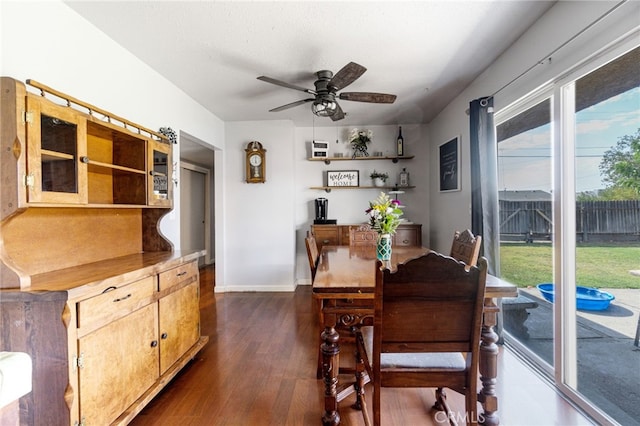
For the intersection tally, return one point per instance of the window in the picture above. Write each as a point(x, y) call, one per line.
point(570, 218)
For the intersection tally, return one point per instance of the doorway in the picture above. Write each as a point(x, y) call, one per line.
point(195, 223)
point(196, 188)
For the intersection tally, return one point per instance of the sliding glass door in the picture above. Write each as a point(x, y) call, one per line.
point(526, 225)
point(607, 215)
point(569, 181)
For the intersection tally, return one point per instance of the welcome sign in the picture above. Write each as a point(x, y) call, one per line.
point(343, 178)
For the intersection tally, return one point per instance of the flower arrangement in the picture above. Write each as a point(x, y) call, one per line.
point(359, 140)
point(384, 214)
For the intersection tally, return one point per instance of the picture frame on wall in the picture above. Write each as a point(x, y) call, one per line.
point(342, 178)
point(449, 165)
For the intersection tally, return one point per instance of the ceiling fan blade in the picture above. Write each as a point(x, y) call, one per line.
point(287, 85)
point(378, 98)
point(347, 75)
point(291, 105)
point(339, 114)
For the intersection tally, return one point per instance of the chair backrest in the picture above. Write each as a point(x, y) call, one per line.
point(312, 253)
point(362, 235)
point(466, 247)
point(430, 304)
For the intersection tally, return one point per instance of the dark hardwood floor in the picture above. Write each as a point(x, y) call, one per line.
point(260, 363)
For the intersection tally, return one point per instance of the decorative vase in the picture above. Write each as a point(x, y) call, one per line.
point(378, 182)
point(383, 248)
point(359, 150)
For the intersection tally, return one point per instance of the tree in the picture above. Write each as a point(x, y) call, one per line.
point(620, 165)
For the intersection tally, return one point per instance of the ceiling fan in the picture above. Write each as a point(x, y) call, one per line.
point(326, 87)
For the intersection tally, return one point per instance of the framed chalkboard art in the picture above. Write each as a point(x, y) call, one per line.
point(449, 165)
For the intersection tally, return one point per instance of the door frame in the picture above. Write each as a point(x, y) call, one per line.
point(207, 206)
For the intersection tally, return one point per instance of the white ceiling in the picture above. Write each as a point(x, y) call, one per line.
point(425, 52)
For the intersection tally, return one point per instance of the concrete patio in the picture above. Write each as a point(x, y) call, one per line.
point(608, 361)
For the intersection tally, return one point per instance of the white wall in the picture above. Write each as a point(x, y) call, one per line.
point(50, 43)
point(260, 227)
point(348, 205)
point(450, 211)
point(259, 244)
point(256, 245)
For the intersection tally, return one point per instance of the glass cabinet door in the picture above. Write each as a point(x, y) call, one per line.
point(160, 164)
point(54, 140)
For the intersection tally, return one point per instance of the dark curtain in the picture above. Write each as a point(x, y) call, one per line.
point(484, 181)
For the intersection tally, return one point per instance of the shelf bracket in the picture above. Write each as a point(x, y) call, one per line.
point(327, 162)
point(327, 190)
point(394, 160)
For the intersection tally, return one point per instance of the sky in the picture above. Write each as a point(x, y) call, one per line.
point(524, 161)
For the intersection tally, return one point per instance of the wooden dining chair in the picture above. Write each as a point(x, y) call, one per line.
point(362, 236)
point(312, 253)
point(313, 256)
point(466, 247)
point(426, 331)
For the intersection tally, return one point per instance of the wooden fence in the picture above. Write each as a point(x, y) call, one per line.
point(595, 220)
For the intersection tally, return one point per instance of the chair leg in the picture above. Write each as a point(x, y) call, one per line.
point(359, 383)
point(440, 395)
point(471, 401)
point(442, 405)
point(362, 367)
point(376, 405)
point(320, 328)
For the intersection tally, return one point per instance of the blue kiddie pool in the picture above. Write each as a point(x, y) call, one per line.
point(588, 298)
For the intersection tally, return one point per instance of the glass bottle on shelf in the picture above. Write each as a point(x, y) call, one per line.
point(404, 178)
point(400, 143)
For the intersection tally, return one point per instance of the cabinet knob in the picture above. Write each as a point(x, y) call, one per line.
point(154, 343)
point(164, 335)
point(84, 159)
point(151, 172)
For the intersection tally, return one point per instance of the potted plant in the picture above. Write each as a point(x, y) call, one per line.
point(379, 179)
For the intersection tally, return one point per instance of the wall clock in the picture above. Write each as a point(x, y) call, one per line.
point(255, 162)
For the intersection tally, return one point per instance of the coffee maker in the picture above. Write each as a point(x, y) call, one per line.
point(322, 208)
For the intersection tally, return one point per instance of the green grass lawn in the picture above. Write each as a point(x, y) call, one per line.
point(601, 266)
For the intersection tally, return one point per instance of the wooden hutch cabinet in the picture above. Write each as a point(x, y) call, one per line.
point(89, 287)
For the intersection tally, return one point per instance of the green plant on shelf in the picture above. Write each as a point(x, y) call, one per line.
point(379, 175)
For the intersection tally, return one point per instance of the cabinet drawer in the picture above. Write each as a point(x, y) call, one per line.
point(408, 235)
point(175, 276)
point(326, 235)
point(114, 303)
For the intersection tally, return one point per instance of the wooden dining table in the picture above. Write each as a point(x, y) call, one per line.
point(345, 281)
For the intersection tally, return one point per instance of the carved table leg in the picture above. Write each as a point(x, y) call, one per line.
point(330, 363)
point(489, 365)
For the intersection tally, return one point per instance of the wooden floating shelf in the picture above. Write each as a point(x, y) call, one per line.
point(394, 158)
point(329, 188)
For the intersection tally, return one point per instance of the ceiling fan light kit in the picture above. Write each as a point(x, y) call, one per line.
point(326, 87)
point(324, 108)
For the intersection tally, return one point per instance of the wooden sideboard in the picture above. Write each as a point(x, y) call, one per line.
point(89, 286)
point(409, 234)
point(105, 338)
